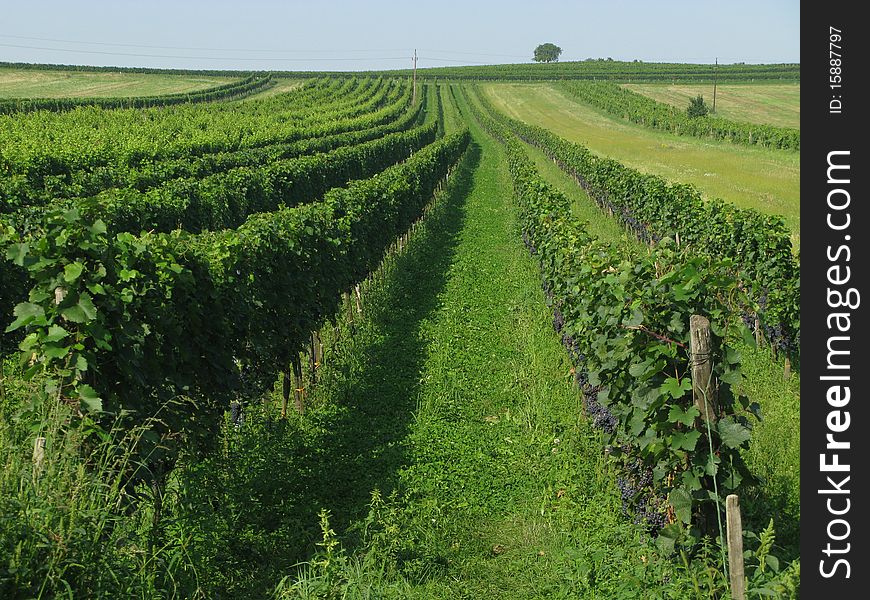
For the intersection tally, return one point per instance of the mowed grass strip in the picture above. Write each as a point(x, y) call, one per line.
point(35, 83)
point(766, 104)
point(766, 180)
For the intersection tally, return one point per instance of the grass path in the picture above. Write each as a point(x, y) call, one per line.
point(766, 180)
point(498, 444)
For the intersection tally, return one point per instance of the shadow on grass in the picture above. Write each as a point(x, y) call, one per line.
point(251, 512)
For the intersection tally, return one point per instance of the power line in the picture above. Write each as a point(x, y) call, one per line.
point(453, 60)
point(192, 48)
point(268, 58)
point(475, 53)
point(210, 49)
point(76, 51)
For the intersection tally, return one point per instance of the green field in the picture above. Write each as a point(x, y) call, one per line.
point(766, 180)
point(32, 83)
point(762, 103)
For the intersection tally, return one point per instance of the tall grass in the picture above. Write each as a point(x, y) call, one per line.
point(69, 526)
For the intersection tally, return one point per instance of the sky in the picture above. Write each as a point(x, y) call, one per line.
point(379, 34)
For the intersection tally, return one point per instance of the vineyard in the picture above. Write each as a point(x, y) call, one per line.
point(375, 337)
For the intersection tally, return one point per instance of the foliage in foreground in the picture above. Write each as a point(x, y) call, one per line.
point(70, 526)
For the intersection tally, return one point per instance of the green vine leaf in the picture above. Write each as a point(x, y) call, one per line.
point(686, 440)
point(681, 501)
point(733, 434)
point(89, 398)
point(687, 417)
point(72, 271)
point(27, 313)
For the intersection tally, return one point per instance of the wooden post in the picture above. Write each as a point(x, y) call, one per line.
point(38, 453)
point(759, 338)
point(735, 548)
point(786, 369)
point(716, 68)
point(349, 311)
point(414, 93)
point(700, 349)
point(316, 354)
point(299, 391)
point(358, 299)
point(285, 394)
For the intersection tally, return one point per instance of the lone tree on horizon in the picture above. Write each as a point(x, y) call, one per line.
point(547, 53)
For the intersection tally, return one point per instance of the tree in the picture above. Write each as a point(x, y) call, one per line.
point(697, 108)
point(547, 53)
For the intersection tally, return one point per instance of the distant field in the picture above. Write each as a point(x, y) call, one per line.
point(281, 86)
point(27, 83)
point(767, 180)
point(769, 104)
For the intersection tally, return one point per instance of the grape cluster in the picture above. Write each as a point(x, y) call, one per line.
point(652, 514)
point(778, 335)
point(528, 243)
point(581, 376)
point(573, 348)
point(601, 416)
point(236, 412)
point(627, 492)
point(558, 320)
point(639, 471)
point(548, 289)
point(638, 498)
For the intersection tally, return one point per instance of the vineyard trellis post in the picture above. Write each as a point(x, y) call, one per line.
point(316, 357)
point(414, 93)
point(38, 454)
point(299, 390)
point(715, 68)
point(703, 384)
point(285, 393)
point(735, 547)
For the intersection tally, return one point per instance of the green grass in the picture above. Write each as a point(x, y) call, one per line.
point(67, 526)
point(33, 83)
point(763, 103)
point(452, 119)
point(767, 180)
point(774, 452)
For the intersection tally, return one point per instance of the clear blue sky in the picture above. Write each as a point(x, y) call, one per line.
point(381, 34)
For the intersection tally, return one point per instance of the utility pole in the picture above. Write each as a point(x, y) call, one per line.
point(715, 68)
point(415, 77)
